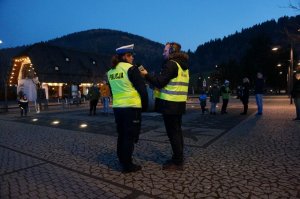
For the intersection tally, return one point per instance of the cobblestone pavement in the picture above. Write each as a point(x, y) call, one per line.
point(226, 156)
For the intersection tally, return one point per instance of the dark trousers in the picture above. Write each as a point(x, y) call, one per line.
point(203, 108)
point(297, 105)
point(93, 105)
point(128, 122)
point(245, 103)
point(24, 111)
point(174, 132)
point(224, 106)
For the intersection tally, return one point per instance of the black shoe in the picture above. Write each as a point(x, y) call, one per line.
point(171, 166)
point(243, 113)
point(131, 168)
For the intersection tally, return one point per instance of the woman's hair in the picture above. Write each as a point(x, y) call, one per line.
point(115, 60)
point(174, 46)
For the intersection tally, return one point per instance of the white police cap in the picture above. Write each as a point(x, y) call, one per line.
point(125, 49)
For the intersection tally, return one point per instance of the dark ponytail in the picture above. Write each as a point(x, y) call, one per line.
point(115, 60)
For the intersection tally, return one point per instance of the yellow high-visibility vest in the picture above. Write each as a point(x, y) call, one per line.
point(177, 89)
point(123, 92)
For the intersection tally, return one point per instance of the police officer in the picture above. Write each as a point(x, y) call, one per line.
point(129, 99)
point(171, 95)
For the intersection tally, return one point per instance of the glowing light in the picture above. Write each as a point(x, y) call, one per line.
point(35, 119)
point(54, 84)
point(55, 122)
point(83, 125)
point(85, 85)
point(279, 65)
point(275, 48)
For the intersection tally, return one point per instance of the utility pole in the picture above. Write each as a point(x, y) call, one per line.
point(5, 96)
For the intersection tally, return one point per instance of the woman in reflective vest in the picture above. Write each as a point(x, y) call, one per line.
point(129, 99)
point(171, 89)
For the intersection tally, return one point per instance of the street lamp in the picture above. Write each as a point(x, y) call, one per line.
point(5, 90)
point(290, 71)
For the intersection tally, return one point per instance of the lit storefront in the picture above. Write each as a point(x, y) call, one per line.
point(60, 72)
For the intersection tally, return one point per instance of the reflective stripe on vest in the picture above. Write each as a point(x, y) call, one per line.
point(124, 94)
point(177, 89)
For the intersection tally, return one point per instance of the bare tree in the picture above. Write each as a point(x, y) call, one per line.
point(294, 5)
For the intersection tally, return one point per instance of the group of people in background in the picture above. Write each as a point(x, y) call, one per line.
point(224, 92)
point(95, 94)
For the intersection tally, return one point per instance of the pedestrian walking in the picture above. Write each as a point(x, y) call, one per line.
point(105, 97)
point(259, 91)
point(93, 96)
point(202, 99)
point(214, 97)
point(225, 93)
point(296, 95)
point(245, 95)
point(129, 100)
point(171, 89)
point(23, 104)
point(40, 98)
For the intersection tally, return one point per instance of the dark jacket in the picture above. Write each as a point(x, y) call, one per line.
point(214, 94)
point(40, 94)
point(169, 71)
point(296, 89)
point(245, 92)
point(94, 93)
point(138, 83)
point(259, 86)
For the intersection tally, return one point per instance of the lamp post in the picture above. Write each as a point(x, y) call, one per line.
point(290, 71)
point(5, 90)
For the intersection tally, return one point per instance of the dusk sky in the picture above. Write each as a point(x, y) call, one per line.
point(189, 22)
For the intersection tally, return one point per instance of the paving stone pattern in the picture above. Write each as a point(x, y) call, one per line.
point(227, 156)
